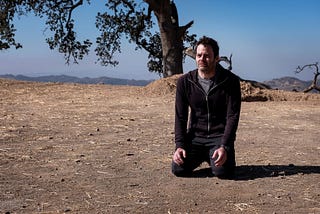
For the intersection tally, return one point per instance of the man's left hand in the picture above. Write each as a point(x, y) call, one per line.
point(220, 155)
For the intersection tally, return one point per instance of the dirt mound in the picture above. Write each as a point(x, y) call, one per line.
point(250, 91)
point(163, 86)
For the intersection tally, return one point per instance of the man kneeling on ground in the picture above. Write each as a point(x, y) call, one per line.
point(207, 111)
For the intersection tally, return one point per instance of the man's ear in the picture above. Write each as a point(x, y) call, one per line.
point(217, 59)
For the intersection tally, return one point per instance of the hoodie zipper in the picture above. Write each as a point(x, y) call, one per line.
point(207, 100)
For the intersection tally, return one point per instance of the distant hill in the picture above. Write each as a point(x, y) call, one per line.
point(85, 80)
point(284, 83)
point(288, 84)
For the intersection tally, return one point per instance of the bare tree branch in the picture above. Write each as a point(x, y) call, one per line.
point(313, 85)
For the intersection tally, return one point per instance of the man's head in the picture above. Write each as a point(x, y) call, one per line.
point(207, 55)
point(211, 42)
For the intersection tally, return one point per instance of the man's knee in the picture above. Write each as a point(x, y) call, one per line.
point(223, 172)
point(179, 170)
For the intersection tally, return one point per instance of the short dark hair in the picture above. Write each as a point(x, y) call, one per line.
point(209, 41)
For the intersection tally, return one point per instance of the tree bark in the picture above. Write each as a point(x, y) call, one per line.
point(171, 34)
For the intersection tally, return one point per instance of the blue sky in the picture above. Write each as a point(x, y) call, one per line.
point(268, 39)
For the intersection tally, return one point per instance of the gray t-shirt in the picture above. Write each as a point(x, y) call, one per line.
point(205, 83)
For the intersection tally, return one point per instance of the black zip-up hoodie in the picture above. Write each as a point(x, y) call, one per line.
point(215, 114)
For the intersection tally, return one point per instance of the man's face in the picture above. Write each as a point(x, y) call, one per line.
point(205, 59)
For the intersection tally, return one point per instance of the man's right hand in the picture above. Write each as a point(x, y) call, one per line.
point(179, 155)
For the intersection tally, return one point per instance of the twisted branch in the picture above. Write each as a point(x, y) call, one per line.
point(313, 85)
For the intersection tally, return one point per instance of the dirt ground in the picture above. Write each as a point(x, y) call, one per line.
point(71, 148)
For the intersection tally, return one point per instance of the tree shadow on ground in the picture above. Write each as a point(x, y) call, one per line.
point(251, 172)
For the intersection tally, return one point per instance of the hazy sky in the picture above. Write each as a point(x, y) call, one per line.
point(268, 39)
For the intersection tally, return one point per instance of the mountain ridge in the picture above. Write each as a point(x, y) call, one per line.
point(286, 83)
point(81, 80)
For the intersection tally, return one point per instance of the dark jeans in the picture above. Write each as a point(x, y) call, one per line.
point(197, 154)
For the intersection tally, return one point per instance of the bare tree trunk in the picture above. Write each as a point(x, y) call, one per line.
point(171, 35)
point(172, 54)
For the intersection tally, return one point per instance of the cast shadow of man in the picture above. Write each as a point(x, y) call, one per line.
point(251, 172)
